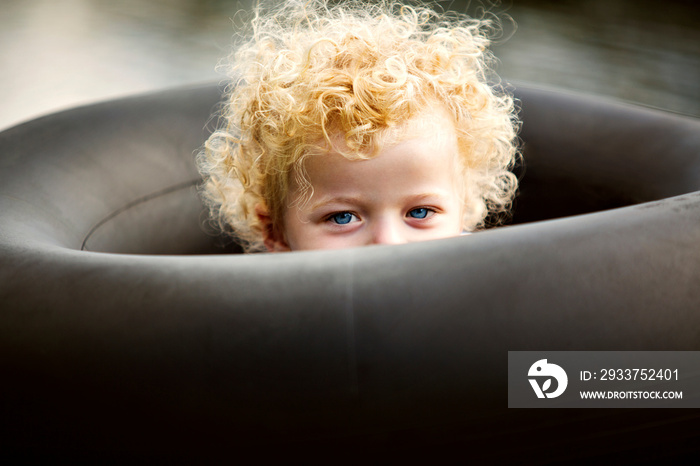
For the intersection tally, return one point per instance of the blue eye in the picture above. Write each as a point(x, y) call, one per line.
point(341, 218)
point(420, 212)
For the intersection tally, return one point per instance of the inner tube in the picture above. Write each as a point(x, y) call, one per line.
point(127, 330)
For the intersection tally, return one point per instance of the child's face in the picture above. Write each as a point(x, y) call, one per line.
point(410, 191)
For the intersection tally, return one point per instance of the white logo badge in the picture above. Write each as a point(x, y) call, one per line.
point(541, 369)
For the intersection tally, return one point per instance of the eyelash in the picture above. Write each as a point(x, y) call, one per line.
point(332, 218)
point(429, 212)
point(336, 214)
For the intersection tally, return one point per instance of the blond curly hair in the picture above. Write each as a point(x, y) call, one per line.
point(309, 70)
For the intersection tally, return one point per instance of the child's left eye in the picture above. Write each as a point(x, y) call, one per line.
point(420, 212)
point(342, 218)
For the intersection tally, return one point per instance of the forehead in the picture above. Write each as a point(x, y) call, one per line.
point(422, 151)
point(419, 150)
point(434, 123)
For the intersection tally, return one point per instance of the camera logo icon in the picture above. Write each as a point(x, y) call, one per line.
point(544, 372)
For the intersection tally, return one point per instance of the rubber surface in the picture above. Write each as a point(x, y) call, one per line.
point(122, 336)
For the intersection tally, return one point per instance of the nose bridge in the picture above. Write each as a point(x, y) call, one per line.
point(388, 230)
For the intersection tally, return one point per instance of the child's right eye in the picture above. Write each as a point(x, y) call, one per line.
point(342, 218)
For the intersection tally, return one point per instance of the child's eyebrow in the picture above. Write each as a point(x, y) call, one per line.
point(430, 195)
point(336, 200)
point(353, 200)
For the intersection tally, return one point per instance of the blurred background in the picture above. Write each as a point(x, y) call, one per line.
point(56, 54)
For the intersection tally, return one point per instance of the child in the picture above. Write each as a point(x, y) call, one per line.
point(359, 124)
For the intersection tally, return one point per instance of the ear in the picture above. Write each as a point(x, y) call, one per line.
point(273, 238)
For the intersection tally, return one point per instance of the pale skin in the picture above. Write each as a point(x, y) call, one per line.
point(410, 191)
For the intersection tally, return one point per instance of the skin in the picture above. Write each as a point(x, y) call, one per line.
point(409, 192)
